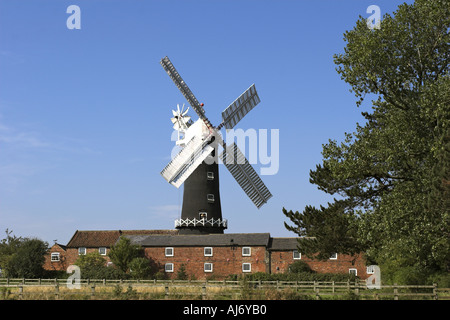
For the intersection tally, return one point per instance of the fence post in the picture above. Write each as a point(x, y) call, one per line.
point(316, 290)
point(20, 292)
point(395, 292)
point(56, 291)
point(332, 287)
point(166, 289)
point(93, 290)
point(204, 292)
point(435, 295)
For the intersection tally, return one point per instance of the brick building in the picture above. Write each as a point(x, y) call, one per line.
point(60, 256)
point(203, 255)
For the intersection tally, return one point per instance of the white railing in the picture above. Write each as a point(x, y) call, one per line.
point(201, 222)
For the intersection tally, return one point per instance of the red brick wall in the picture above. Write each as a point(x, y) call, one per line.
point(67, 257)
point(56, 265)
point(225, 260)
point(280, 261)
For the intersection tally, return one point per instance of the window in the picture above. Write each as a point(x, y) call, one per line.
point(169, 252)
point(246, 267)
point(208, 267)
point(246, 251)
point(296, 255)
point(168, 267)
point(333, 256)
point(210, 197)
point(208, 251)
point(210, 175)
point(81, 251)
point(202, 215)
point(55, 256)
point(353, 271)
point(102, 251)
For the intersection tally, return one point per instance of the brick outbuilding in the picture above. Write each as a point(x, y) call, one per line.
point(203, 255)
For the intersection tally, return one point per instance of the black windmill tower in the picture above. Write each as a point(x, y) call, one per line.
point(196, 165)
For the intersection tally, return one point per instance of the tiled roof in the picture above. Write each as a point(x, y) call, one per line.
point(163, 238)
point(283, 244)
point(140, 232)
point(106, 238)
point(238, 239)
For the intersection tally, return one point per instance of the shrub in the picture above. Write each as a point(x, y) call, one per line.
point(300, 276)
point(299, 267)
point(140, 268)
point(181, 274)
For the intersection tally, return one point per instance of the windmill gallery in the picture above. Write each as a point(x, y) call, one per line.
point(198, 242)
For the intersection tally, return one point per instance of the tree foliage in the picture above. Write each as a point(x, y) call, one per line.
point(391, 176)
point(123, 252)
point(142, 268)
point(22, 257)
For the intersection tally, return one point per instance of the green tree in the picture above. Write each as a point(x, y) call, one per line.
point(385, 173)
point(8, 246)
point(28, 259)
point(325, 231)
point(181, 274)
point(123, 252)
point(141, 268)
point(92, 266)
point(90, 260)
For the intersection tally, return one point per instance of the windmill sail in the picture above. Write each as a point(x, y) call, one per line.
point(187, 160)
point(245, 175)
point(240, 107)
point(182, 86)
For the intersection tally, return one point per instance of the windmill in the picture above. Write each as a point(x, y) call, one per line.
point(196, 164)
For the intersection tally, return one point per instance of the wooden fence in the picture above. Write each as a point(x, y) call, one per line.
point(201, 289)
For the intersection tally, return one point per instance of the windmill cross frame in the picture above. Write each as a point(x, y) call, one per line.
point(196, 151)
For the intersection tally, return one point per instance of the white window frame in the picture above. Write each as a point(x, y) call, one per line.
point(208, 254)
point(246, 254)
point(246, 264)
point(210, 197)
point(208, 264)
point(203, 215)
point(82, 251)
point(353, 269)
point(100, 251)
point(370, 269)
point(54, 254)
point(299, 255)
point(334, 256)
point(210, 175)
point(168, 251)
point(168, 267)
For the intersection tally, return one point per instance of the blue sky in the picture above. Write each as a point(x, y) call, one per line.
point(85, 114)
